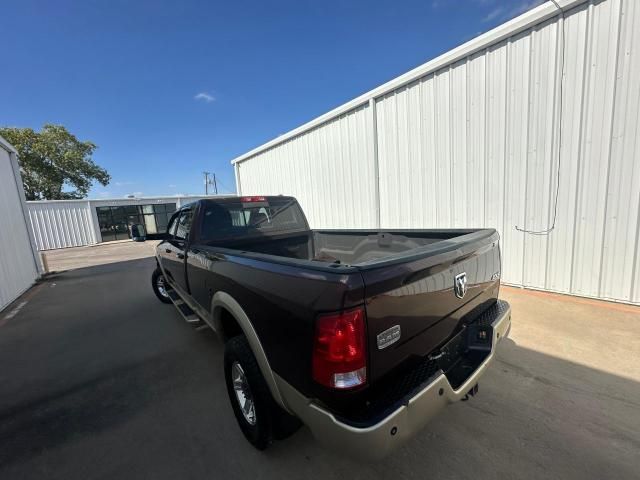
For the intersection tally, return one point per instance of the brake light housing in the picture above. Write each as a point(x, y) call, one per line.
point(340, 349)
point(253, 199)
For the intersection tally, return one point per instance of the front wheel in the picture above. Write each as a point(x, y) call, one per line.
point(160, 287)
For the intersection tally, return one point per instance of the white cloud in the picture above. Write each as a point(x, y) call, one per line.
point(498, 10)
point(137, 194)
point(171, 185)
point(525, 5)
point(493, 14)
point(123, 184)
point(104, 193)
point(508, 10)
point(205, 97)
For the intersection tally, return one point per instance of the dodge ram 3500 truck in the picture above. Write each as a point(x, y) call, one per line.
point(362, 335)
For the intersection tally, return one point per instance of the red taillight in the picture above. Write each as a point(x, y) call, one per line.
point(252, 199)
point(339, 349)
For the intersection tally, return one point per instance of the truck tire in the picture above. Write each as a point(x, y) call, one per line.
point(259, 417)
point(159, 286)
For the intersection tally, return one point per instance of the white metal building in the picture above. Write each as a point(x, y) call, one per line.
point(74, 223)
point(19, 260)
point(479, 137)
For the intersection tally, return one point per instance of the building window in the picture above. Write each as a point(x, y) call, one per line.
point(115, 222)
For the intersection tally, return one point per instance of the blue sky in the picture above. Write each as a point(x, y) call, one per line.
point(168, 89)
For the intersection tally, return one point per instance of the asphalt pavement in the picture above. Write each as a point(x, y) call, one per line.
point(99, 380)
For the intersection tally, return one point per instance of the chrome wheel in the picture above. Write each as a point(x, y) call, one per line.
point(243, 393)
point(161, 286)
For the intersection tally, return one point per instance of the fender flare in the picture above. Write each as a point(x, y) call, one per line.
point(222, 300)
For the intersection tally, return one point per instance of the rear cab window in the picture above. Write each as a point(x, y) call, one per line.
point(171, 228)
point(259, 216)
point(183, 224)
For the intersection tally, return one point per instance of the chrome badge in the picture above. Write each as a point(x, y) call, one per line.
point(460, 285)
point(388, 337)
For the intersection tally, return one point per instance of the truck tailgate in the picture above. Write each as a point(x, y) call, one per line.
point(413, 306)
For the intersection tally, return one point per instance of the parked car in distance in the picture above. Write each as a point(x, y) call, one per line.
point(362, 335)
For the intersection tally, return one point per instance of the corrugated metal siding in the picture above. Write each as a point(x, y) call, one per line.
point(328, 169)
point(475, 143)
point(61, 224)
point(17, 266)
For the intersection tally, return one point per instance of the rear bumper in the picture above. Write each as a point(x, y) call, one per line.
point(376, 441)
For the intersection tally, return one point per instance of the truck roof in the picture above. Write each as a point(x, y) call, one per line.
point(248, 198)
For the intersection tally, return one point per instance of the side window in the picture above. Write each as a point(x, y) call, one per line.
point(184, 225)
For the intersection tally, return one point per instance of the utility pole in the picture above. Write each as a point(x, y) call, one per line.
point(206, 182)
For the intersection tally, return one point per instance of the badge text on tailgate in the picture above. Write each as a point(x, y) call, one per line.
point(388, 337)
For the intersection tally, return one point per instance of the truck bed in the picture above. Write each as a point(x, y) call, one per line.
point(347, 247)
point(408, 276)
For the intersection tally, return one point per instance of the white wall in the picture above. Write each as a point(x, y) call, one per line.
point(472, 139)
point(328, 169)
point(18, 263)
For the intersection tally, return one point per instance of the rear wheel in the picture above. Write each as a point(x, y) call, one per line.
point(160, 287)
point(259, 417)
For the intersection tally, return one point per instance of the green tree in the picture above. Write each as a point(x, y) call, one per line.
point(54, 164)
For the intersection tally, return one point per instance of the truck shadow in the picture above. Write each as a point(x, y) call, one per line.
point(536, 416)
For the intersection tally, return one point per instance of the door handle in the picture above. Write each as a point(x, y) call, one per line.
point(180, 255)
point(167, 250)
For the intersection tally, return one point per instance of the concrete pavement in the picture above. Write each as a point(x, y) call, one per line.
point(101, 380)
point(110, 252)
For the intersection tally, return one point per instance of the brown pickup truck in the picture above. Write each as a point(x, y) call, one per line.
point(361, 335)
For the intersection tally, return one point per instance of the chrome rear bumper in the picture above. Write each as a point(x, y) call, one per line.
point(376, 441)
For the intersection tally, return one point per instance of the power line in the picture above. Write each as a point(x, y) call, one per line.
point(224, 187)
